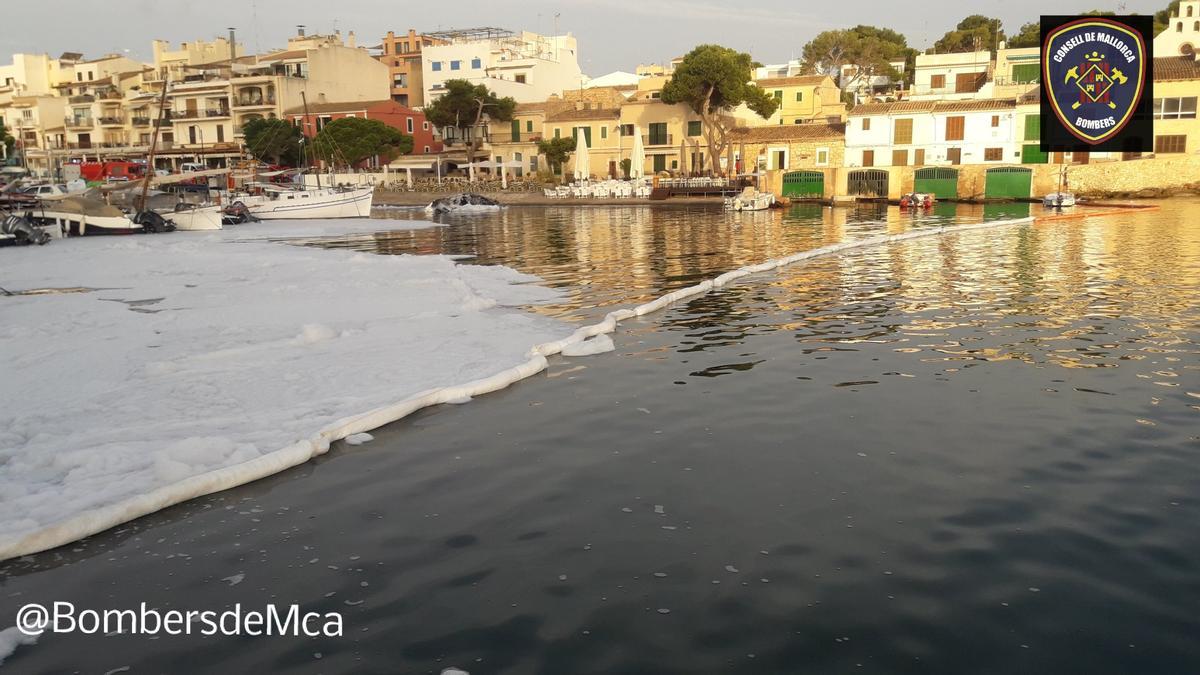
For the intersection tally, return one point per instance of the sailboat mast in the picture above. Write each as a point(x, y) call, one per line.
point(162, 103)
point(306, 118)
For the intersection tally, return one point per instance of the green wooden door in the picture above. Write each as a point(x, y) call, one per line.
point(1007, 182)
point(804, 184)
point(660, 163)
point(940, 182)
point(516, 130)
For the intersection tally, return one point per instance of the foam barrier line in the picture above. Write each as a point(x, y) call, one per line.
point(97, 520)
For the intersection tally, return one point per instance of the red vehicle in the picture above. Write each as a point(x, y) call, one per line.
point(111, 171)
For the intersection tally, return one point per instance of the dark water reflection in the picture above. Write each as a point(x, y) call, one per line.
point(969, 454)
point(604, 257)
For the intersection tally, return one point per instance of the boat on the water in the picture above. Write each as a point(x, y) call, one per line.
point(270, 201)
point(195, 216)
point(1058, 200)
point(917, 200)
point(750, 200)
point(80, 216)
point(465, 202)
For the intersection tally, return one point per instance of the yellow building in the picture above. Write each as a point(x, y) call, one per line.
point(790, 147)
point(1176, 88)
point(804, 99)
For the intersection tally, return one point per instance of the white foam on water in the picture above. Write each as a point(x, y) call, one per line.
point(40, 536)
point(10, 639)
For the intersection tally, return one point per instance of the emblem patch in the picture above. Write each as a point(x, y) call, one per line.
point(1094, 73)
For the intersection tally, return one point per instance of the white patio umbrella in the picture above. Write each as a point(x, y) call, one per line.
point(583, 167)
point(637, 160)
point(514, 164)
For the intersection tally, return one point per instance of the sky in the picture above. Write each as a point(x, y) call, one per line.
point(612, 34)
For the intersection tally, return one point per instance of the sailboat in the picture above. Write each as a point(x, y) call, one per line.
point(276, 201)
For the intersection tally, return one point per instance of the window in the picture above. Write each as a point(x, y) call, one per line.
point(658, 134)
point(427, 149)
point(660, 163)
point(400, 80)
point(693, 128)
point(1170, 144)
point(903, 132)
point(476, 64)
point(954, 155)
point(557, 132)
point(626, 129)
point(220, 133)
point(410, 125)
point(954, 128)
point(1025, 73)
point(436, 66)
point(778, 94)
point(1033, 127)
point(1180, 108)
point(455, 65)
point(424, 126)
point(604, 131)
point(799, 96)
point(993, 154)
point(520, 79)
point(529, 126)
point(937, 82)
point(899, 157)
point(919, 157)
point(822, 156)
point(868, 158)
point(995, 121)
point(866, 124)
point(587, 135)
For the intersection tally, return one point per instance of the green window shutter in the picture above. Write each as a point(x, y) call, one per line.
point(604, 132)
point(557, 132)
point(587, 136)
point(1025, 73)
point(799, 96)
point(529, 126)
point(694, 128)
point(516, 130)
point(1033, 127)
point(779, 94)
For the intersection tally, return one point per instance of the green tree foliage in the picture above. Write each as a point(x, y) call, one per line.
point(556, 151)
point(272, 140)
point(974, 33)
point(713, 80)
point(462, 106)
point(1162, 18)
point(7, 139)
point(350, 140)
point(868, 49)
point(1030, 35)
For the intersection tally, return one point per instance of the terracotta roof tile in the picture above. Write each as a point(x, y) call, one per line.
point(801, 80)
point(1176, 68)
point(789, 132)
point(902, 107)
point(340, 106)
point(592, 114)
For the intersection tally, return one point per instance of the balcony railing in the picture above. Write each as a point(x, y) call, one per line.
point(112, 120)
point(217, 112)
point(109, 95)
point(523, 137)
point(140, 121)
point(78, 122)
point(82, 98)
point(658, 139)
point(252, 100)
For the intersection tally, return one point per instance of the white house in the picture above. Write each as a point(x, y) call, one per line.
point(526, 66)
point(872, 88)
point(1182, 35)
point(933, 133)
point(950, 76)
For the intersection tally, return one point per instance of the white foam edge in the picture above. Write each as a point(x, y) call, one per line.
point(102, 518)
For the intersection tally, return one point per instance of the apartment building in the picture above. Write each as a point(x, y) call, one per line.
point(525, 66)
point(402, 54)
point(931, 133)
point(804, 99)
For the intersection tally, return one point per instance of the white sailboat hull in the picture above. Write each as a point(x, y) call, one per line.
point(201, 218)
point(59, 223)
point(318, 203)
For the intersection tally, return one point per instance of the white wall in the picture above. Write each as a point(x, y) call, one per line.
point(929, 134)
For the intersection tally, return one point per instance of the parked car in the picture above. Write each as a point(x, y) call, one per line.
point(48, 190)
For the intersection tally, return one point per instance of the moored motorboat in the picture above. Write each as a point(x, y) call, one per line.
point(465, 202)
point(79, 216)
point(1058, 200)
point(917, 200)
point(750, 200)
point(195, 217)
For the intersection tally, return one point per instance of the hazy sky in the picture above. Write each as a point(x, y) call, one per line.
point(613, 34)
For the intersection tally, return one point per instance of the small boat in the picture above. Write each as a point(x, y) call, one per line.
point(1058, 200)
point(465, 202)
point(79, 216)
point(1062, 198)
point(195, 216)
point(750, 200)
point(917, 200)
point(276, 202)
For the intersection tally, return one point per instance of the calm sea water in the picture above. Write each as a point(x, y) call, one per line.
point(971, 453)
